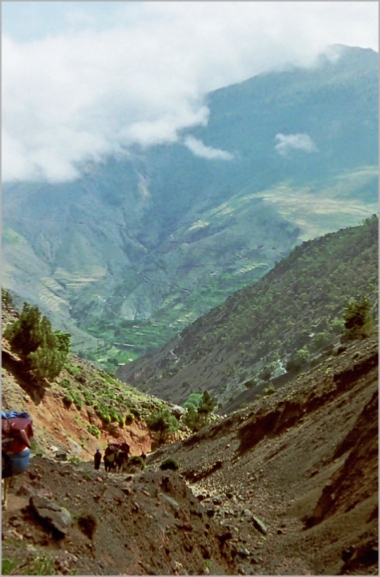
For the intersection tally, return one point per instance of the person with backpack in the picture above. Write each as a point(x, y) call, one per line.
point(97, 459)
point(16, 435)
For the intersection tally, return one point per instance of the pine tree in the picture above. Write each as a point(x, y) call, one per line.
point(42, 349)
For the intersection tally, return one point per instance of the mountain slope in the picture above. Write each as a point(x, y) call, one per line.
point(141, 246)
point(250, 338)
point(81, 409)
point(288, 485)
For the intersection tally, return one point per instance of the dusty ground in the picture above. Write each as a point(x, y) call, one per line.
point(288, 486)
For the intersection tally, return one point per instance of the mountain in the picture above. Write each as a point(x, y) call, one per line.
point(287, 320)
point(286, 486)
point(141, 246)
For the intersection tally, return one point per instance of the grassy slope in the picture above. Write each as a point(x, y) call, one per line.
point(303, 296)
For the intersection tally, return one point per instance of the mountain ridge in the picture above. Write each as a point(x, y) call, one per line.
point(98, 252)
point(297, 305)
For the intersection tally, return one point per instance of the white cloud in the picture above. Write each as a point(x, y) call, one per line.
point(298, 141)
point(199, 149)
point(139, 76)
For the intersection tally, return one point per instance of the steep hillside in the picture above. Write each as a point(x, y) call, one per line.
point(81, 409)
point(139, 247)
point(250, 339)
point(287, 486)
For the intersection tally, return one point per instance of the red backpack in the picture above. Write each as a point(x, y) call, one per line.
point(16, 432)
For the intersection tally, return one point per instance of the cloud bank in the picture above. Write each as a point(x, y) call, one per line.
point(287, 143)
point(89, 91)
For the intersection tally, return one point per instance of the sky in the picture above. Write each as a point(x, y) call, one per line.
point(85, 80)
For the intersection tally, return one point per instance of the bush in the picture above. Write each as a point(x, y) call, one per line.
point(163, 423)
point(88, 397)
point(269, 390)
point(72, 369)
point(299, 360)
point(94, 431)
point(135, 461)
point(169, 464)
point(358, 323)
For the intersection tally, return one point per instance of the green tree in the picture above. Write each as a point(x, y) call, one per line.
point(358, 323)
point(207, 404)
point(42, 349)
point(6, 299)
point(191, 419)
point(300, 358)
point(196, 418)
point(163, 423)
point(193, 401)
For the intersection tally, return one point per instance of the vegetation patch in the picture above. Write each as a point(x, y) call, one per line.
point(169, 465)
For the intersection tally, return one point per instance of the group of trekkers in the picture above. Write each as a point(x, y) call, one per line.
point(115, 457)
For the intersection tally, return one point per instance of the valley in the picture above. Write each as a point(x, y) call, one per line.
point(135, 250)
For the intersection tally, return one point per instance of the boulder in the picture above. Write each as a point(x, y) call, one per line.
point(52, 517)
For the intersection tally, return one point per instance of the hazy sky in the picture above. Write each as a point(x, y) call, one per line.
point(82, 80)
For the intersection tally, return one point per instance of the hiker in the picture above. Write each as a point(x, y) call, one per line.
point(16, 435)
point(97, 459)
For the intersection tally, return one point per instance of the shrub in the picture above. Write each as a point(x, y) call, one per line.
point(169, 464)
point(163, 423)
point(299, 360)
point(88, 397)
point(135, 461)
point(358, 323)
point(269, 390)
point(94, 431)
point(65, 383)
point(72, 369)
point(113, 415)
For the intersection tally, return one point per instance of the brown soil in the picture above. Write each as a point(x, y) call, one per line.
point(286, 486)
